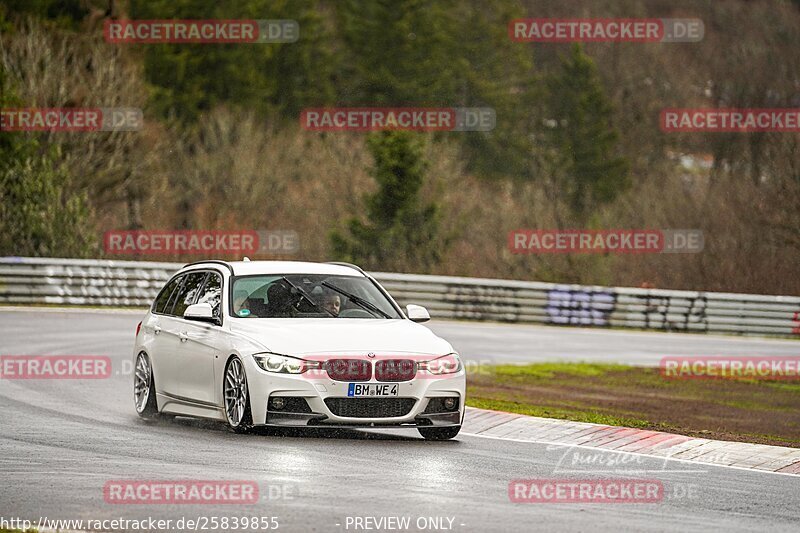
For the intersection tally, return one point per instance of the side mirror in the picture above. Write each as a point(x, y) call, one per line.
point(417, 313)
point(201, 312)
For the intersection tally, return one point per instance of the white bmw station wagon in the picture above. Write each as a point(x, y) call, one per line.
point(286, 343)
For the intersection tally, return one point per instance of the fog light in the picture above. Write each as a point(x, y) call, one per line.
point(449, 403)
point(278, 403)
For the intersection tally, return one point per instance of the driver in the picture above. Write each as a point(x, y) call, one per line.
point(279, 301)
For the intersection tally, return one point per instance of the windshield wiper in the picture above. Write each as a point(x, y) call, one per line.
point(369, 306)
point(306, 296)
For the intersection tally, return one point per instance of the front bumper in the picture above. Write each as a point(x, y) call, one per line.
point(319, 420)
point(316, 390)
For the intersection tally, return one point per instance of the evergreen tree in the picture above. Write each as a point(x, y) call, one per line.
point(583, 137)
point(62, 13)
point(443, 54)
point(277, 79)
point(398, 230)
point(38, 216)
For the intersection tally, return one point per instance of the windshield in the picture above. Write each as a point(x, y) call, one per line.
point(308, 296)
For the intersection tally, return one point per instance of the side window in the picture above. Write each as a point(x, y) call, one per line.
point(163, 297)
point(188, 292)
point(212, 293)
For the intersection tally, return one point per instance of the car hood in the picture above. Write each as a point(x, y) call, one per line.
point(291, 336)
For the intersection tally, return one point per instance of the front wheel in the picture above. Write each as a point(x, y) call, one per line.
point(439, 433)
point(237, 397)
point(144, 390)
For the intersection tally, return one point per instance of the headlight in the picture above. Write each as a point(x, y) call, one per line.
point(446, 364)
point(283, 364)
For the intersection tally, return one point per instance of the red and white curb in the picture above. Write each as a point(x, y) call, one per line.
point(522, 428)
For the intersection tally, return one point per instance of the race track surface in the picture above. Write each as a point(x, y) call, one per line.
point(62, 440)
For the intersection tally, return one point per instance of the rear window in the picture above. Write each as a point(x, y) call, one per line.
point(164, 296)
point(212, 293)
point(188, 292)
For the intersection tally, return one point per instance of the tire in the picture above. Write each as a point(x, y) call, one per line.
point(446, 433)
point(236, 397)
point(144, 388)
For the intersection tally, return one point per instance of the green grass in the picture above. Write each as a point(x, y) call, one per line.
point(787, 441)
point(550, 412)
point(550, 370)
point(784, 386)
point(640, 397)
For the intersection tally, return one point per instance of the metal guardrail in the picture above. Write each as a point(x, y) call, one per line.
point(25, 280)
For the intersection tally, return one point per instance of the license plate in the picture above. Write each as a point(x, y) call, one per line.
point(357, 390)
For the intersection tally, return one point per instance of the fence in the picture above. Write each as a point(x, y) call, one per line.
point(26, 280)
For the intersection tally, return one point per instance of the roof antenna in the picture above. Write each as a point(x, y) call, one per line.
point(246, 259)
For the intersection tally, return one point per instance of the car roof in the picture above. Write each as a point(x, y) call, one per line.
point(249, 268)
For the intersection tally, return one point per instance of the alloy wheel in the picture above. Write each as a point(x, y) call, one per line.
point(141, 382)
point(235, 393)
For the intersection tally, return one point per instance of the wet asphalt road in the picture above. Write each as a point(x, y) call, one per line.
point(62, 440)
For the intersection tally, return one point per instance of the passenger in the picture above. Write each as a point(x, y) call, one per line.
point(332, 303)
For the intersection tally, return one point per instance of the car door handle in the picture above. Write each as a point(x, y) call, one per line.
point(183, 336)
point(156, 330)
